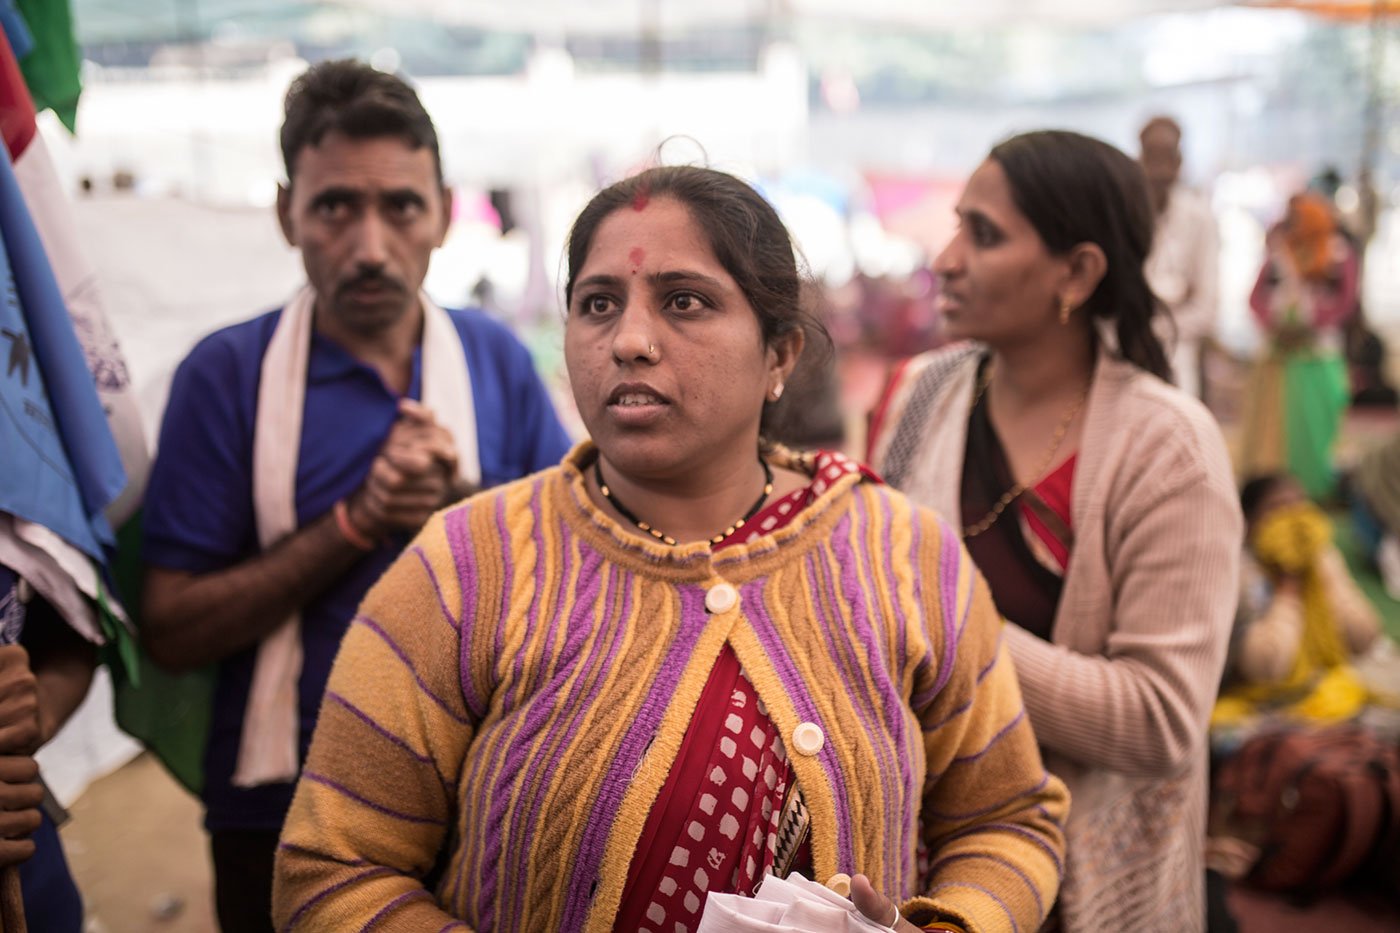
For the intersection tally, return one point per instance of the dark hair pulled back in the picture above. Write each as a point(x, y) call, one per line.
point(1076, 189)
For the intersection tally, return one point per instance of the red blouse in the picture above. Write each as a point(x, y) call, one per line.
point(714, 824)
point(1056, 491)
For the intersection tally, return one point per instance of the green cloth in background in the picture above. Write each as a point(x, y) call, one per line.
point(168, 713)
point(1315, 395)
point(52, 68)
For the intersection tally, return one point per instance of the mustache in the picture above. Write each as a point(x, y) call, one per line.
point(371, 278)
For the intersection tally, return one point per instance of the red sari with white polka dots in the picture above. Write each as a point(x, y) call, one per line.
point(714, 825)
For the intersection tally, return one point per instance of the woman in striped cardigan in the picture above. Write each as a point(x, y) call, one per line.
point(679, 661)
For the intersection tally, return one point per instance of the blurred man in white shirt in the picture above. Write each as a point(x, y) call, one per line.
point(1183, 268)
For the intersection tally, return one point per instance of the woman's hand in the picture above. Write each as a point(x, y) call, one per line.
point(875, 906)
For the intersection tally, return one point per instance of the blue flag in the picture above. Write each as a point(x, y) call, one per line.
point(16, 29)
point(61, 466)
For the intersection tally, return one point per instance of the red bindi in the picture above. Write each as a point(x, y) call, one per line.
point(635, 257)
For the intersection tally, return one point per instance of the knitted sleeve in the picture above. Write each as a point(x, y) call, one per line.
point(992, 816)
point(378, 793)
point(1171, 541)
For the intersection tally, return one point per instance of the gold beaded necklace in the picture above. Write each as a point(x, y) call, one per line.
point(664, 538)
point(1012, 494)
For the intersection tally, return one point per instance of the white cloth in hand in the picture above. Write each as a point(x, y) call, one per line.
point(785, 905)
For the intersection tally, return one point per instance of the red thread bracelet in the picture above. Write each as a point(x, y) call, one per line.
point(348, 531)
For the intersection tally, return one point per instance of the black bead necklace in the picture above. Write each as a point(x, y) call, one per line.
point(664, 538)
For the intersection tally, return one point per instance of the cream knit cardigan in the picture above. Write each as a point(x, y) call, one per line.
point(1120, 695)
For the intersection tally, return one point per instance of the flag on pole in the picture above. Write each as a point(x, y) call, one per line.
point(52, 215)
point(42, 404)
point(16, 30)
point(63, 468)
point(52, 69)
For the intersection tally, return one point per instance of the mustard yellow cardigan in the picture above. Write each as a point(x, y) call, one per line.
point(513, 692)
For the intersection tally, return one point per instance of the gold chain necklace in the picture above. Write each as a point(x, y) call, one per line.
point(1012, 494)
point(664, 538)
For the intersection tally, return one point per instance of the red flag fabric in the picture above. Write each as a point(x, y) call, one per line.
point(16, 106)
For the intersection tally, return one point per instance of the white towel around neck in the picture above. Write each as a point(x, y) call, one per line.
point(268, 750)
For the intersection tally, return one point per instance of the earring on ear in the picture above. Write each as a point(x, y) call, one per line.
point(1066, 309)
point(777, 391)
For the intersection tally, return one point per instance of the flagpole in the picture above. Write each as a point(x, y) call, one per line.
point(11, 902)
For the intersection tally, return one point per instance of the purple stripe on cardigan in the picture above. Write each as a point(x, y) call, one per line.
point(1017, 830)
point(562, 729)
point(868, 706)
point(901, 659)
point(919, 700)
point(1004, 863)
point(374, 626)
point(892, 705)
point(901, 621)
point(520, 769)
point(949, 718)
point(318, 854)
point(377, 807)
point(996, 656)
point(751, 599)
point(1015, 927)
point(954, 817)
point(327, 892)
point(507, 565)
point(981, 676)
point(949, 563)
point(422, 556)
point(394, 905)
point(459, 542)
point(365, 718)
point(602, 817)
point(532, 619)
point(488, 835)
point(452, 924)
point(1016, 721)
point(523, 680)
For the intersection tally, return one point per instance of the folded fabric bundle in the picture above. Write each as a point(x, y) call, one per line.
point(785, 905)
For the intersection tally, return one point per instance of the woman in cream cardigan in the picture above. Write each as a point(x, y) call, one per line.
point(1097, 500)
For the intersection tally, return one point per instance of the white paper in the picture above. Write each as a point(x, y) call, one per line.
point(785, 905)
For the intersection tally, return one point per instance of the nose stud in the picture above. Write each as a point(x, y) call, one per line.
point(651, 351)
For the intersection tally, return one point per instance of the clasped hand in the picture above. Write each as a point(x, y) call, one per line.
point(413, 475)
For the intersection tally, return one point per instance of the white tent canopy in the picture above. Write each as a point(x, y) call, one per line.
point(613, 16)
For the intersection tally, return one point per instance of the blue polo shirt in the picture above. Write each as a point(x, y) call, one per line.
point(199, 503)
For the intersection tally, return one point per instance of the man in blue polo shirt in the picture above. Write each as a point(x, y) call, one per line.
point(302, 449)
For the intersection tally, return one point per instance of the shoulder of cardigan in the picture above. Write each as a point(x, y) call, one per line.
point(565, 490)
point(1173, 426)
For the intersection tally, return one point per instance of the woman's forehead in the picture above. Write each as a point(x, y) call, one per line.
point(663, 229)
point(987, 190)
